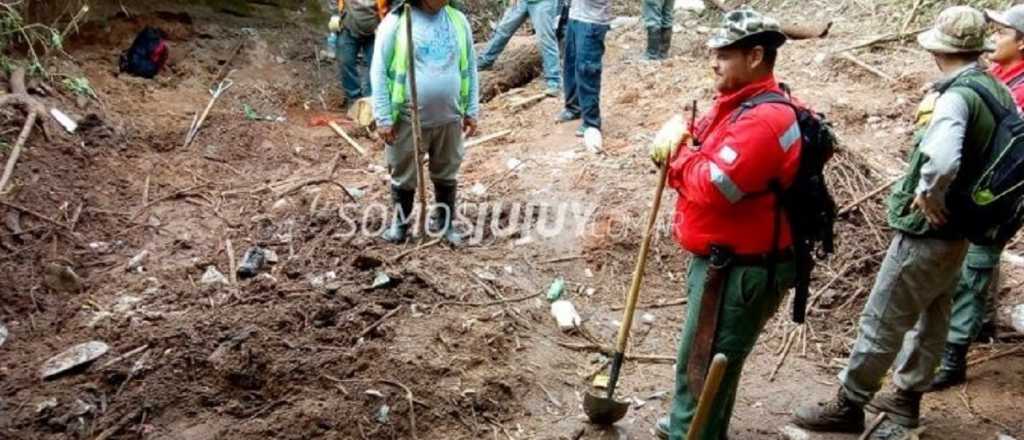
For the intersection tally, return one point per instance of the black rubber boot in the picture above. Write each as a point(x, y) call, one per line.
point(953, 371)
point(653, 44)
point(837, 415)
point(441, 220)
point(666, 42)
point(403, 199)
point(902, 407)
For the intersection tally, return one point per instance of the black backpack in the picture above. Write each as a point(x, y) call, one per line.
point(147, 55)
point(987, 196)
point(807, 202)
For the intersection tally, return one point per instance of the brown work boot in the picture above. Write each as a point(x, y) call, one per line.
point(902, 407)
point(837, 415)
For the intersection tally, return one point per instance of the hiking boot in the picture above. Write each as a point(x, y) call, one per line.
point(398, 232)
point(442, 219)
point(902, 407)
point(661, 428)
point(566, 116)
point(889, 430)
point(953, 370)
point(654, 40)
point(666, 42)
point(837, 415)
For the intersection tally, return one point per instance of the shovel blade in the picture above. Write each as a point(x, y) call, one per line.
point(602, 410)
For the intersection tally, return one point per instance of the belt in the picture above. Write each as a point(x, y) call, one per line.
point(722, 257)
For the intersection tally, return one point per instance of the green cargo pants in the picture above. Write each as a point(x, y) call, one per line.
point(747, 305)
point(443, 144)
point(658, 13)
point(970, 300)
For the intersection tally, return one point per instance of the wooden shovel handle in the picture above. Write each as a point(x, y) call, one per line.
point(707, 396)
point(641, 262)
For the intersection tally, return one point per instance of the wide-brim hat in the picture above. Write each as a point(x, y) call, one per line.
point(1012, 18)
point(959, 29)
point(744, 23)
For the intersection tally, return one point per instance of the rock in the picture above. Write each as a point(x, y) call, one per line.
point(556, 289)
point(126, 303)
point(790, 432)
point(271, 256)
point(73, 357)
point(61, 278)
point(478, 189)
point(382, 280)
point(281, 205)
point(3, 334)
point(820, 58)
point(1004, 437)
point(648, 318)
point(46, 405)
point(213, 276)
point(253, 260)
point(513, 163)
point(136, 262)
point(320, 280)
point(100, 246)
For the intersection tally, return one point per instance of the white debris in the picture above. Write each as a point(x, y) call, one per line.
point(78, 355)
point(648, 318)
point(271, 257)
point(592, 140)
point(478, 189)
point(512, 163)
point(321, 280)
point(125, 303)
point(690, 5)
point(374, 393)
point(213, 276)
point(65, 121)
point(820, 58)
point(565, 314)
point(136, 262)
point(621, 22)
point(3, 334)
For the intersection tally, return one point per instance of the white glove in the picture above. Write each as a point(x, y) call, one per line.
point(335, 24)
point(667, 141)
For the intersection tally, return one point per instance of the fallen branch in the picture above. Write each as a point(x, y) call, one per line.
point(34, 108)
point(109, 432)
point(868, 196)
point(198, 121)
point(341, 132)
point(175, 195)
point(1012, 351)
point(790, 338)
point(124, 356)
point(231, 261)
point(524, 102)
point(487, 138)
point(881, 39)
point(868, 67)
point(315, 181)
point(408, 395)
point(415, 249)
point(485, 304)
point(911, 16)
point(607, 351)
point(873, 426)
point(678, 302)
point(380, 321)
point(33, 214)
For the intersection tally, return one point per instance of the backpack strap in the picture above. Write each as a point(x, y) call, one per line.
point(764, 98)
point(999, 111)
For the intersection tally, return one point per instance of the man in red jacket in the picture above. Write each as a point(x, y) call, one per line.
point(726, 216)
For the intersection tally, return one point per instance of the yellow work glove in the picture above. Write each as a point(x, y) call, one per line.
point(667, 141)
point(335, 24)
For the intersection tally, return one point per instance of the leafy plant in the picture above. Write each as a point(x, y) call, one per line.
point(79, 86)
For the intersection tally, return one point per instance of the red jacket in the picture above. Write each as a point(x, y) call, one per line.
point(724, 196)
point(1015, 74)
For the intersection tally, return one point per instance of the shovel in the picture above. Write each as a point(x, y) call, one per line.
point(606, 410)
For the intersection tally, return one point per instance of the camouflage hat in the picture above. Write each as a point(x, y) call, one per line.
point(1012, 18)
point(742, 23)
point(959, 29)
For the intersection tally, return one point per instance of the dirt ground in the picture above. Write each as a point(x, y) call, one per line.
point(460, 343)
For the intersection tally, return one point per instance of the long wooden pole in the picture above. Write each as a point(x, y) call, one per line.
point(417, 134)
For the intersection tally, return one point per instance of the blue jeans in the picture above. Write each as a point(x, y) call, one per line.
point(543, 15)
point(349, 68)
point(658, 13)
point(584, 48)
